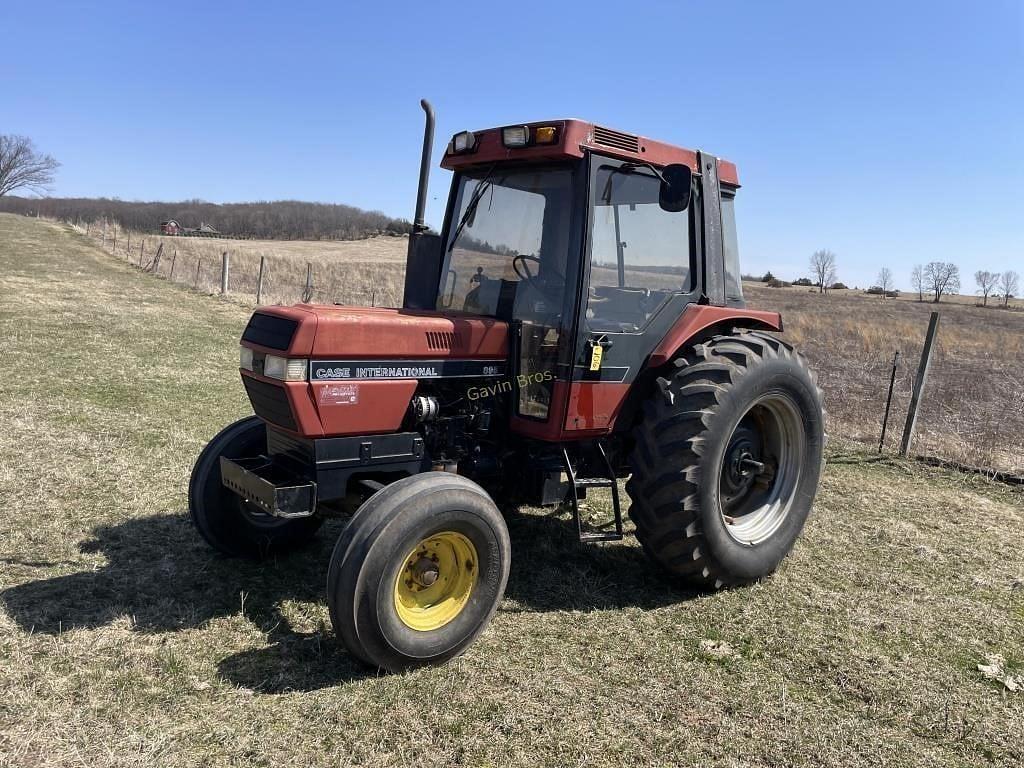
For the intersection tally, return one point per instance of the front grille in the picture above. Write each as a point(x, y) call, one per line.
point(270, 331)
point(617, 139)
point(442, 339)
point(269, 402)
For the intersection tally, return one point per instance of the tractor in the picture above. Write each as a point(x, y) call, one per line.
point(578, 320)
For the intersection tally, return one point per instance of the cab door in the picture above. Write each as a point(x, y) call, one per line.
point(639, 276)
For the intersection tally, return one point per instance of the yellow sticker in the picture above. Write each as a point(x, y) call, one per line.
point(595, 357)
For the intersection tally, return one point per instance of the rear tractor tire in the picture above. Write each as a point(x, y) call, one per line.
point(727, 459)
point(228, 523)
point(418, 572)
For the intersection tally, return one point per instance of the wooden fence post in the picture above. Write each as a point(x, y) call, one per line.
point(225, 268)
point(199, 263)
point(259, 281)
point(128, 247)
point(922, 376)
point(113, 248)
point(174, 258)
point(142, 252)
point(307, 295)
point(156, 259)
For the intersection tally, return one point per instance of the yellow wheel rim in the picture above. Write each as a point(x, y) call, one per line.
point(436, 581)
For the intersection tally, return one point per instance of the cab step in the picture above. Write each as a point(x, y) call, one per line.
point(576, 484)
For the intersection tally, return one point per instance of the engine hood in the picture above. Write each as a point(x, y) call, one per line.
point(366, 333)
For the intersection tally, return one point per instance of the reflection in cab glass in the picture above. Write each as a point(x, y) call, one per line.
point(640, 253)
point(506, 257)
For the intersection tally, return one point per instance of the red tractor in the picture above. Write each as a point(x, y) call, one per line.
point(578, 319)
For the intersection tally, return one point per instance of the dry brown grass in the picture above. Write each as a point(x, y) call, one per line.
point(973, 411)
point(124, 641)
point(359, 272)
point(974, 406)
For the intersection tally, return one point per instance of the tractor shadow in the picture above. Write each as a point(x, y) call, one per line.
point(161, 575)
point(553, 571)
point(165, 579)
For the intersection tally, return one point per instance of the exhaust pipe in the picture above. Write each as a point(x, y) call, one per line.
point(418, 223)
point(423, 261)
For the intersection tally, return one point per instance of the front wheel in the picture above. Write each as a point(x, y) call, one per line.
point(227, 522)
point(418, 571)
point(727, 460)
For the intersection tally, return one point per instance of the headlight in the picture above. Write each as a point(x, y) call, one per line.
point(463, 142)
point(285, 368)
point(515, 136)
point(245, 358)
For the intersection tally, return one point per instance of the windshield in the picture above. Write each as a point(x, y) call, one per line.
point(509, 242)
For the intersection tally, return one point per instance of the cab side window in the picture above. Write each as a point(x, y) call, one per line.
point(640, 253)
point(730, 248)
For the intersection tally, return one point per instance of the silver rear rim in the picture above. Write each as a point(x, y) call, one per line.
point(761, 469)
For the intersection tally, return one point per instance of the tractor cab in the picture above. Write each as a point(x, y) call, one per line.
point(590, 243)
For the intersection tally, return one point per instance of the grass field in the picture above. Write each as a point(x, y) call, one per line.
point(126, 641)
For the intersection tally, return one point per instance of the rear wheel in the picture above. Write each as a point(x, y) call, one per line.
point(418, 572)
point(227, 522)
point(727, 460)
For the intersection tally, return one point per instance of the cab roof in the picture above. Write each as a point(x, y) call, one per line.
point(573, 138)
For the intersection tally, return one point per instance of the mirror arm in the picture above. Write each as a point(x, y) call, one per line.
point(644, 164)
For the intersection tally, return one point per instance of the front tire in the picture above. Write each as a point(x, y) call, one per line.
point(418, 572)
point(228, 523)
point(727, 460)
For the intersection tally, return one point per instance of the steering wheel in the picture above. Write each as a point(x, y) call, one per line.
point(522, 269)
point(520, 265)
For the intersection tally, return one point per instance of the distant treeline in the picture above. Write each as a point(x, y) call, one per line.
point(278, 220)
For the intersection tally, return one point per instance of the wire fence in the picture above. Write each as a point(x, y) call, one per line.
point(359, 273)
point(972, 409)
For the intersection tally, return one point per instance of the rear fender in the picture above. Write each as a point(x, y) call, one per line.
point(701, 321)
point(697, 323)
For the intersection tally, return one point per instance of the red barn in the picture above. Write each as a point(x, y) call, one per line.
point(170, 227)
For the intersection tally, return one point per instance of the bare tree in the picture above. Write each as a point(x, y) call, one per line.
point(823, 267)
point(1008, 286)
point(21, 167)
point(885, 281)
point(942, 277)
point(917, 281)
point(987, 282)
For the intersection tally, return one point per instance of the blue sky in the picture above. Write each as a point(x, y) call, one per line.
point(890, 132)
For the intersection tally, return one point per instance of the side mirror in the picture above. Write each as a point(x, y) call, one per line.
point(674, 195)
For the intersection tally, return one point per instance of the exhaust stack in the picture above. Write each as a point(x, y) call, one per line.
point(418, 223)
point(423, 262)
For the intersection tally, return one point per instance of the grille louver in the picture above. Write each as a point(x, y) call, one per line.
point(270, 402)
point(617, 139)
point(442, 339)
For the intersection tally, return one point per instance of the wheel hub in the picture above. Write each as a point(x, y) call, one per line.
point(425, 571)
point(742, 463)
point(436, 581)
